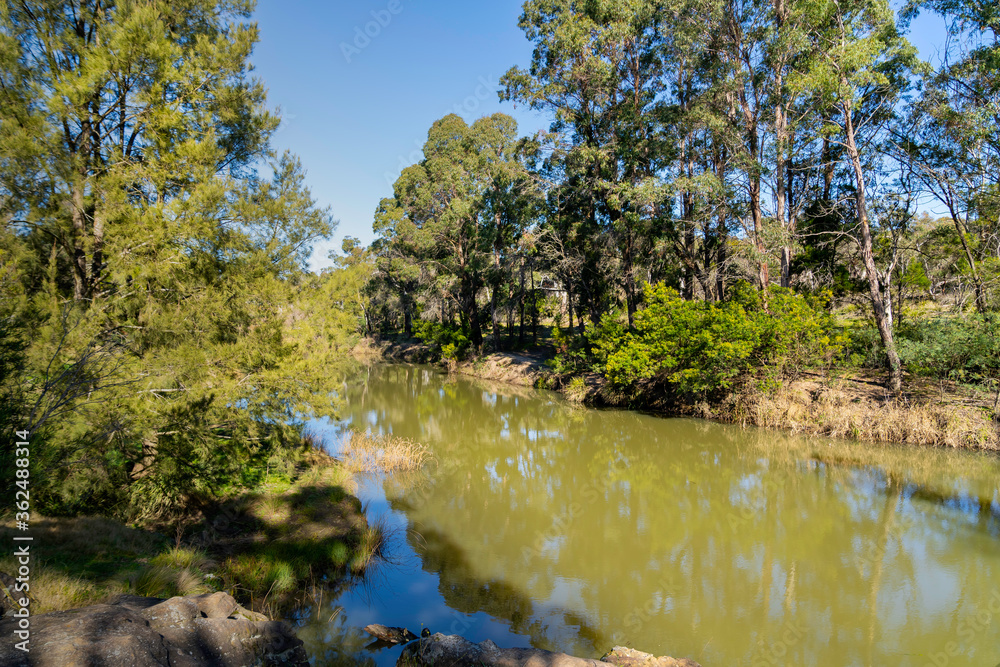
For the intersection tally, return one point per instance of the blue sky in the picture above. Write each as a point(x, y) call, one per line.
point(356, 112)
point(355, 123)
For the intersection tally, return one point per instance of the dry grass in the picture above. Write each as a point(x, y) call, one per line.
point(367, 349)
point(55, 590)
point(265, 547)
point(509, 367)
point(88, 560)
point(840, 413)
point(383, 453)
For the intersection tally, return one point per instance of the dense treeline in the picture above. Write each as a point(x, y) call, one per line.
point(153, 256)
point(704, 144)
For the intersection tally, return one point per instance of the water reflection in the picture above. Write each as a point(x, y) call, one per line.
point(577, 529)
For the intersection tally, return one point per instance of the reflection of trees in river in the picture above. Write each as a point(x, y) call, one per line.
point(582, 528)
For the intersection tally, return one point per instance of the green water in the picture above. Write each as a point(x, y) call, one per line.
point(576, 529)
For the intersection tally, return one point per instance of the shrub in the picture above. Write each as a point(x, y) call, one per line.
point(701, 346)
point(572, 352)
point(453, 341)
point(963, 349)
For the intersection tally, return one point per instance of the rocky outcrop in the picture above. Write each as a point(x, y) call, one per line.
point(149, 632)
point(627, 657)
point(440, 650)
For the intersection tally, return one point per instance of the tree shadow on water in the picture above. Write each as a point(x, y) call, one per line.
point(466, 591)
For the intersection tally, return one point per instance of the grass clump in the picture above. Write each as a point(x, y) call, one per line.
point(384, 453)
point(86, 560)
point(268, 548)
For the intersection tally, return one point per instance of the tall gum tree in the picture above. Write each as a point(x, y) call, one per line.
point(860, 70)
point(454, 210)
point(953, 140)
point(597, 67)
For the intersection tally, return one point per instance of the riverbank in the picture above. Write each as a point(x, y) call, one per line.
point(269, 548)
point(839, 405)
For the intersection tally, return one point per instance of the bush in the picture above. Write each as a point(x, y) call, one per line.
point(572, 352)
point(453, 341)
point(963, 349)
point(864, 347)
point(701, 347)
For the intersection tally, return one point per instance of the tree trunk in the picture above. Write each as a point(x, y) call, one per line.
point(880, 306)
point(780, 150)
point(628, 270)
point(80, 277)
point(97, 255)
point(520, 301)
point(720, 262)
point(471, 308)
point(534, 309)
point(977, 283)
point(494, 320)
point(569, 302)
point(763, 272)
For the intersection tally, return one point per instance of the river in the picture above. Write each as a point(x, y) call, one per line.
point(547, 524)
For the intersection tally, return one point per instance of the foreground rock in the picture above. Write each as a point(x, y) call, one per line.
point(627, 657)
point(440, 650)
point(148, 632)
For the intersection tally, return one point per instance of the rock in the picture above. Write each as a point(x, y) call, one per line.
point(627, 657)
point(390, 635)
point(449, 650)
point(149, 632)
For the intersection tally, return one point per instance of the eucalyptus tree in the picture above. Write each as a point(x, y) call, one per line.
point(860, 69)
point(396, 260)
point(952, 141)
point(457, 211)
point(596, 66)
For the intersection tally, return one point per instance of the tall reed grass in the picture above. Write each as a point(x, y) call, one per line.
point(384, 453)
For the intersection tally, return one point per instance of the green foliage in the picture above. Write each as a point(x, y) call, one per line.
point(962, 349)
point(454, 218)
point(572, 351)
point(701, 347)
point(453, 341)
point(159, 245)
